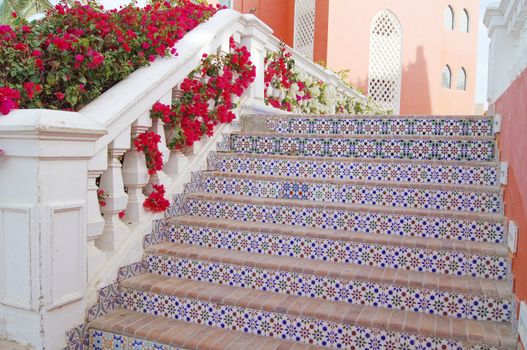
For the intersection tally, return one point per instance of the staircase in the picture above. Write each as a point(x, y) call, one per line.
point(313, 232)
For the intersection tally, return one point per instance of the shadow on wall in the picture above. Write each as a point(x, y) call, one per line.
point(415, 86)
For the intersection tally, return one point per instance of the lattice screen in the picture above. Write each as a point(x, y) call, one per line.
point(304, 38)
point(384, 79)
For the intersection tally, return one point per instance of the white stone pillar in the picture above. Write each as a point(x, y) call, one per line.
point(254, 39)
point(112, 182)
point(135, 173)
point(43, 223)
point(177, 161)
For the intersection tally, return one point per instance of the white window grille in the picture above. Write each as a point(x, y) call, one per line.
point(304, 37)
point(385, 67)
point(446, 77)
point(449, 18)
point(462, 79)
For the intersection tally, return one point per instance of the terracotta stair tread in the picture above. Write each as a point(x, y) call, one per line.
point(469, 331)
point(190, 336)
point(363, 137)
point(469, 247)
point(415, 279)
point(365, 160)
point(349, 207)
point(372, 116)
point(276, 178)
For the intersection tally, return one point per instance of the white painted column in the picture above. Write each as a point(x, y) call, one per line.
point(254, 39)
point(112, 182)
point(43, 223)
point(161, 178)
point(135, 173)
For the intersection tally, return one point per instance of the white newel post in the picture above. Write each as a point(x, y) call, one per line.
point(255, 39)
point(112, 182)
point(135, 173)
point(161, 178)
point(96, 257)
point(43, 223)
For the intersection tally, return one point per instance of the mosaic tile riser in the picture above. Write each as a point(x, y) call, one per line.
point(414, 259)
point(382, 223)
point(363, 170)
point(482, 202)
point(101, 340)
point(399, 126)
point(301, 329)
point(365, 148)
point(354, 292)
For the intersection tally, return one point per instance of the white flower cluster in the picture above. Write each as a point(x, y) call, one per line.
point(322, 97)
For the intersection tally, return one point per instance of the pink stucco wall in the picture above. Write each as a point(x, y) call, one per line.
point(427, 47)
point(343, 39)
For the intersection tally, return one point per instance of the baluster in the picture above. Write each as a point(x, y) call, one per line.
point(135, 173)
point(177, 161)
point(112, 182)
point(158, 126)
point(96, 258)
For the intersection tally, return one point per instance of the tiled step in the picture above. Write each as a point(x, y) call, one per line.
point(410, 171)
point(459, 297)
point(458, 258)
point(125, 329)
point(367, 219)
point(371, 125)
point(372, 147)
point(422, 196)
point(307, 320)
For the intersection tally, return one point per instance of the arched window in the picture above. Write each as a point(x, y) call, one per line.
point(446, 77)
point(449, 18)
point(385, 64)
point(465, 21)
point(462, 79)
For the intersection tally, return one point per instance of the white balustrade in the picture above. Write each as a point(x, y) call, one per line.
point(51, 221)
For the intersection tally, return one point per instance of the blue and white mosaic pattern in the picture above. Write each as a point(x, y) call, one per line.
point(369, 254)
point(382, 126)
point(425, 149)
point(411, 172)
point(357, 221)
point(378, 195)
point(323, 287)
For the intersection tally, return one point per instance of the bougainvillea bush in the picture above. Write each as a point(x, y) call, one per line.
point(207, 96)
point(290, 89)
point(74, 54)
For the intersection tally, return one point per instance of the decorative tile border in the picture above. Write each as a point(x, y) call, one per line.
point(463, 150)
point(377, 195)
point(383, 126)
point(271, 324)
point(78, 338)
point(354, 292)
point(357, 221)
point(109, 300)
point(178, 206)
point(369, 254)
point(428, 173)
point(101, 340)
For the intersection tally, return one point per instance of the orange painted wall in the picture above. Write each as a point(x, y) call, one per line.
point(427, 47)
point(278, 14)
point(512, 106)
